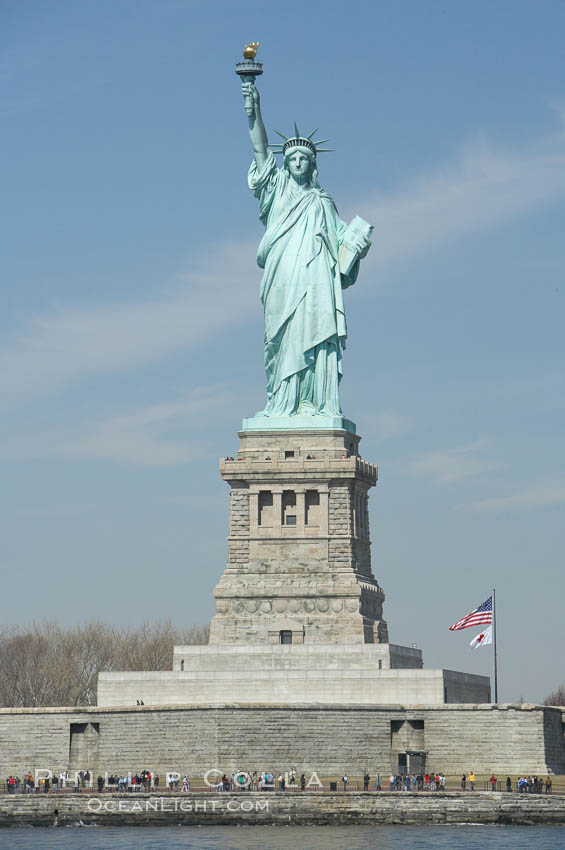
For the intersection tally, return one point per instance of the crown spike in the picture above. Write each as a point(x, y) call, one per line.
point(320, 141)
point(312, 133)
point(281, 135)
point(325, 150)
point(296, 130)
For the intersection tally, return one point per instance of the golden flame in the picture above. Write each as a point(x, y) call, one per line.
point(250, 50)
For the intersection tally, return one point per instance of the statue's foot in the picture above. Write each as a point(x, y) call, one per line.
point(330, 413)
point(306, 408)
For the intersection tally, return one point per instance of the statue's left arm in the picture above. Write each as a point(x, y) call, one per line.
point(352, 260)
point(362, 244)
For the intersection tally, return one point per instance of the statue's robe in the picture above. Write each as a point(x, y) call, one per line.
point(301, 292)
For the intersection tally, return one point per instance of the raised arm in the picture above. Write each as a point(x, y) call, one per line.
point(257, 131)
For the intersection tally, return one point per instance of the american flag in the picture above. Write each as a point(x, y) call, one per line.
point(481, 616)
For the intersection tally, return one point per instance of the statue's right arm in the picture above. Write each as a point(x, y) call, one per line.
point(257, 132)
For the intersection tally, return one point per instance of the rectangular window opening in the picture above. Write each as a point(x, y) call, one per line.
point(285, 636)
point(265, 505)
point(288, 516)
point(288, 454)
point(312, 508)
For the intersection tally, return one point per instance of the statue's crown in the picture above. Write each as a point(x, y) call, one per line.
point(297, 141)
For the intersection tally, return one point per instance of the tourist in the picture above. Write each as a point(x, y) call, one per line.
point(302, 782)
point(345, 780)
point(442, 782)
point(392, 782)
point(366, 779)
point(492, 781)
point(185, 785)
point(509, 784)
point(472, 781)
point(464, 783)
point(548, 785)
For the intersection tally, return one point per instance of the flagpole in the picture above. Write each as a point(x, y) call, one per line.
point(494, 637)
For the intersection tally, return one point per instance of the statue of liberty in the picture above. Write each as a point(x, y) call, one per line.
point(302, 254)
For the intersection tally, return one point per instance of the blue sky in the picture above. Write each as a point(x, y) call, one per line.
point(131, 329)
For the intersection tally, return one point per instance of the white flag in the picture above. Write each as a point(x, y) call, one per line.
point(482, 638)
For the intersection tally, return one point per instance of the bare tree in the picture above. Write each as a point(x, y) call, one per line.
point(557, 697)
point(45, 664)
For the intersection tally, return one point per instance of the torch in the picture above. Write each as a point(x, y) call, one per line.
point(248, 70)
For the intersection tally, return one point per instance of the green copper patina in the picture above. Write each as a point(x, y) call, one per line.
point(309, 256)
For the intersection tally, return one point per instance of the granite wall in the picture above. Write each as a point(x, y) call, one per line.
point(330, 739)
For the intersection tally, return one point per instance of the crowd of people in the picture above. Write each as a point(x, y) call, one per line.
point(82, 780)
point(265, 780)
point(535, 785)
point(417, 782)
point(55, 781)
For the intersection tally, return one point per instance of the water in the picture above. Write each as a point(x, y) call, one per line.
point(462, 837)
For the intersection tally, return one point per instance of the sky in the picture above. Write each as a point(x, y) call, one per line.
point(131, 331)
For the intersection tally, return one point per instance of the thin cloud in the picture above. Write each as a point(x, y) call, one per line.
point(446, 466)
point(485, 187)
point(143, 439)
point(539, 496)
point(388, 424)
point(157, 435)
point(57, 350)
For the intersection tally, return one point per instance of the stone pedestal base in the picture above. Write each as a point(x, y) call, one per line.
point(299, 564)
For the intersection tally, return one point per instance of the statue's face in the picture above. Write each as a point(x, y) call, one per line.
point(299, 164)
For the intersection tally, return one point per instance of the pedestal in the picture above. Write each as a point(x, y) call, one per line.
point(299, 564)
